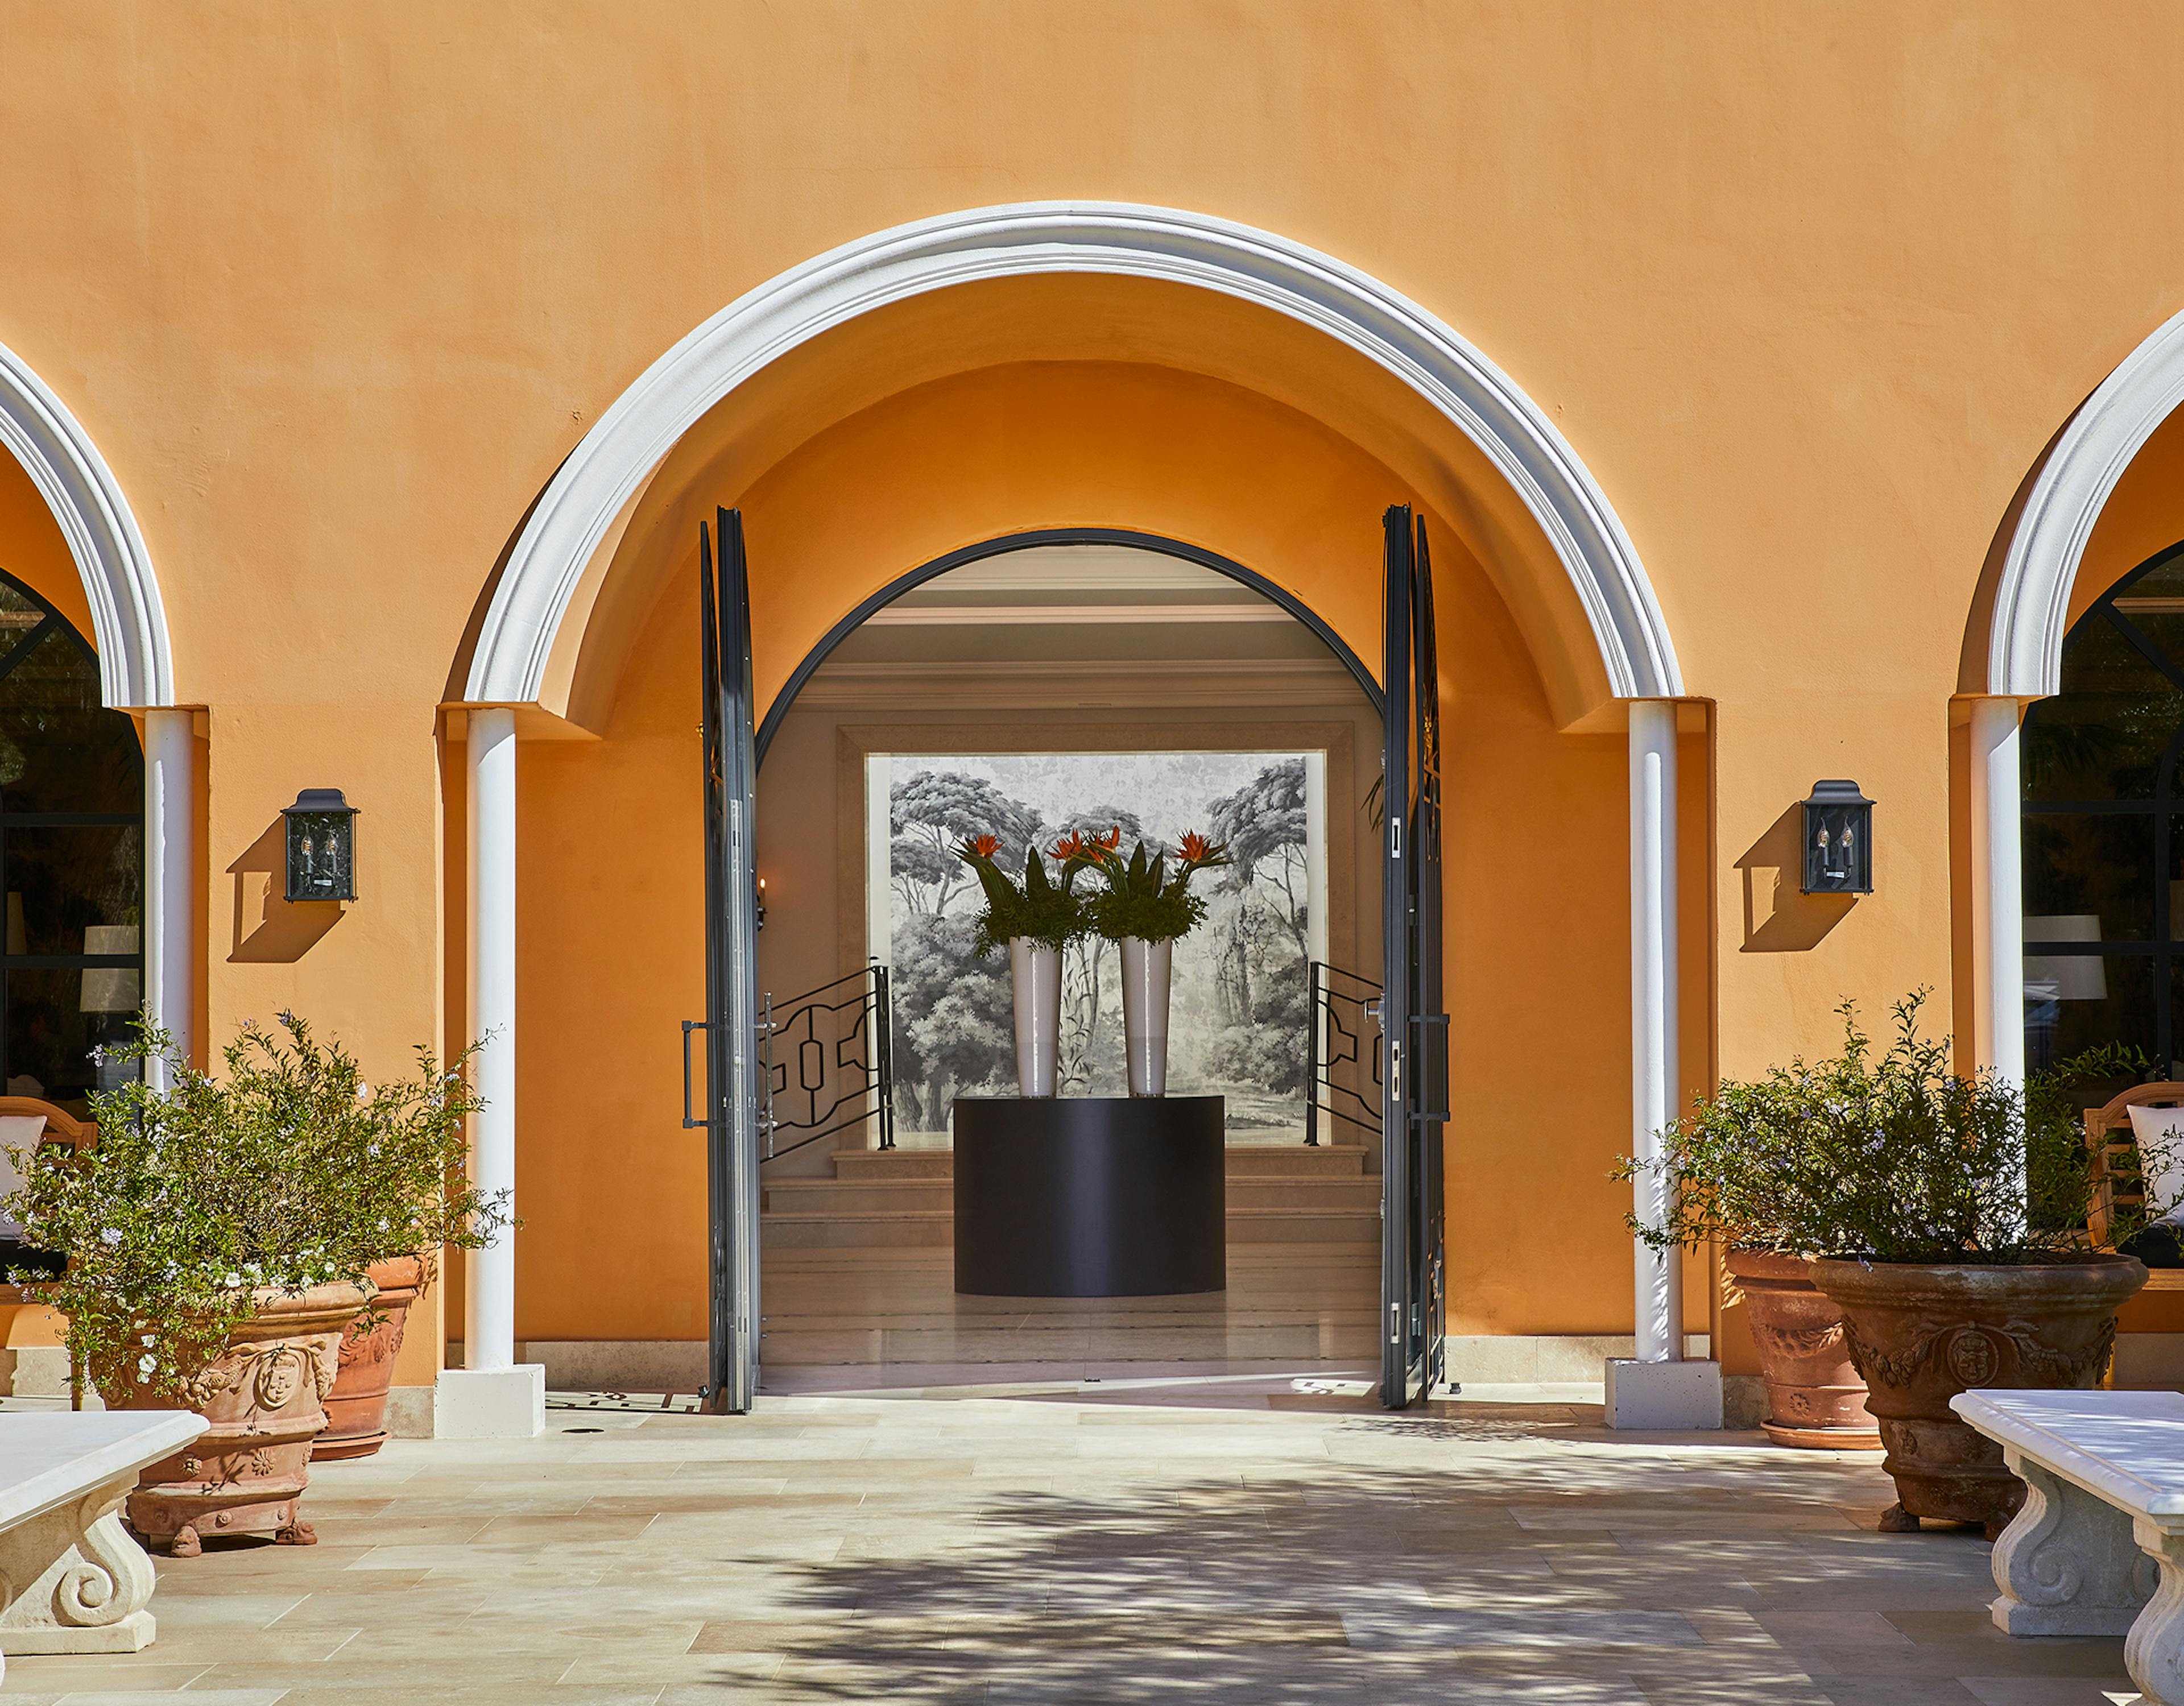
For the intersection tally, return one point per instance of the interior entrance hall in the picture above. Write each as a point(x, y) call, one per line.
point(1035, 693)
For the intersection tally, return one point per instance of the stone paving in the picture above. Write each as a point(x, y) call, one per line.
point(1241, 1540)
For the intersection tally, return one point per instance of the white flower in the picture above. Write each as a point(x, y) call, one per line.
point(98, 1054)
point(146, 1364)
point(111, 1236)
point(234, 1280)
point(364, 1092)
point(144, 1339)
point(372, 1148)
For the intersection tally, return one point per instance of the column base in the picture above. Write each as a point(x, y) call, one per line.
point(1663, 1397)
point(491, 1403)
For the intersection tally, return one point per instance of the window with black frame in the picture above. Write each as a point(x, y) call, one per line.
point(2104, 829)
point(71, 858)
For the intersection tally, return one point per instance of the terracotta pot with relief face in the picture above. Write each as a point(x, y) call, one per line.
point(1920, 1335)
point(356, 1408)
point(265, 1397)
point(1815, 1399)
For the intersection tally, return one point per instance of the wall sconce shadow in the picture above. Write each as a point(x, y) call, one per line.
point(1778, 918)
point(270, 930)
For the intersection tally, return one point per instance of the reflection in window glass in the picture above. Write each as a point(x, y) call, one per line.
point(71, 859)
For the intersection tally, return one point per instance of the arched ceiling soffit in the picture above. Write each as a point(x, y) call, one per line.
point(1353, 353)
point(996, 324)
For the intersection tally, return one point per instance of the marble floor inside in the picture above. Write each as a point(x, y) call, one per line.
point(890, 1319)
point(1236, 1539)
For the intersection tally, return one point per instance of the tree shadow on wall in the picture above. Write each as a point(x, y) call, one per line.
point(270, 930)
point(1779, 916)
point(1332, 1581)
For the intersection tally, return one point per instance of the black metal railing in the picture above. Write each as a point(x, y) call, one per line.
point(1345, 1011)
point(827, 1061)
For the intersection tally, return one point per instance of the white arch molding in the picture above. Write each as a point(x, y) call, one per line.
point(612, 459)
point(578, 509)
point(2024, 657)
point(136, 665)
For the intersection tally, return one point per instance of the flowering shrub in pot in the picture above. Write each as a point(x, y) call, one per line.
point(1034, 919)
point(220, 1237)
point(1946, 1214)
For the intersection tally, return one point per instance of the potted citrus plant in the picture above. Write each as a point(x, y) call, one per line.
point(1944, 1215)
point(1034, 919)
point(1146, 910)
point(220, 1237)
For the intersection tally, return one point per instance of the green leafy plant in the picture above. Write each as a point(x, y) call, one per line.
point(1046, 912)
point(1141, 899)
point(288, 1171)
point(1887, 1154)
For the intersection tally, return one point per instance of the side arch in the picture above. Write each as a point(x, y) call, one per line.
point(129, 622)
point(2032, 593)
point(577, 513)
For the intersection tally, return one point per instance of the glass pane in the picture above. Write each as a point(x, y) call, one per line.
point(60, 749)
point(75, 891)
point(2076, 1002)
point(2088, 878)
point(50, 1034)
point(2105, 737)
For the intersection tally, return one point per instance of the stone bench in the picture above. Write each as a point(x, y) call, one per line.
point(71, 1578)
point(2098, 1548)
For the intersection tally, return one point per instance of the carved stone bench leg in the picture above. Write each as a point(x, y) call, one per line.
point(2067, 1564)
point(74, 1581)
point(2154, 1651)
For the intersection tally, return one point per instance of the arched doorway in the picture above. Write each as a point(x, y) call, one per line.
point(71, 858)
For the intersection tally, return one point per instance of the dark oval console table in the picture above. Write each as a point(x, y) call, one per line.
point(1091, 1196)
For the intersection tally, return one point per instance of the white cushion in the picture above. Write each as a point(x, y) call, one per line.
point(2161, 1134)
point(17, 1131)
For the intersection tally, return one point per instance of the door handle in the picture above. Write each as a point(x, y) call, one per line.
point(688, 1026)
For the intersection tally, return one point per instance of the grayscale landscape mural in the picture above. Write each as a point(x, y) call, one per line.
point(1238, 1022)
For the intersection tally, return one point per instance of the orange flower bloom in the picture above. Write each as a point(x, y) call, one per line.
point(985, 846)
point(1069, 847)
point(1112, 839)
point(1194, 847)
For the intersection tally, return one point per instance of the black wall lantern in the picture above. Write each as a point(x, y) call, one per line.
point(1838, 840)
point(321, 846)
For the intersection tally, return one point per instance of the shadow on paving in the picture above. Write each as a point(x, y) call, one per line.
point(1605, 1577)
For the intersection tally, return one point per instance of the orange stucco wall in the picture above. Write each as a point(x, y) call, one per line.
point(336, 291)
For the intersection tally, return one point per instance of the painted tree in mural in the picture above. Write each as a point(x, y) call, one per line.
point(932, 813)
point(952, 1019)
point(1261, 927)
point(1080, 1051)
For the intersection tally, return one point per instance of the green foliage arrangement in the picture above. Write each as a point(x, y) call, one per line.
point(1141, 900)
point(287, 1172)
point(1040, 908)
point(1888, 1155)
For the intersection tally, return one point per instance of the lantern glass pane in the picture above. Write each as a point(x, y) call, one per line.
point(320, 859)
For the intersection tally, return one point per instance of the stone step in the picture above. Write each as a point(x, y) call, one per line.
point(1288, 1160)
point(860, 1195)
point(894, 1228)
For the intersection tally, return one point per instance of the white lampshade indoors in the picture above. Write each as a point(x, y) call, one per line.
point(2065, 976)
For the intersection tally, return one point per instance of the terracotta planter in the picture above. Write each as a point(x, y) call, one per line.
point(1814, 1398)
point(264, 1397)
point(356, 1408)
point(1921, 1334)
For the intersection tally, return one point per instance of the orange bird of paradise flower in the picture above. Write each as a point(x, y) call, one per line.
point(1112, 839)
point(1196, 847)
point(1069, 847)
point(985, 846)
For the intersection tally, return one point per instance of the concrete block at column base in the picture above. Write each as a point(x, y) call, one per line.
point(491, 1403)
point(1663, 1397)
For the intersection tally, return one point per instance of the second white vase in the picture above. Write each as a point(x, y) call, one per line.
point(1035, 981)
point(1146, 968)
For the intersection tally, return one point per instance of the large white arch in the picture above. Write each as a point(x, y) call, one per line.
point(129, 624)
point(2032, 598)
point(611, 462)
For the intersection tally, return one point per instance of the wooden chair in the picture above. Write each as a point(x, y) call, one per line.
point(63, 1129)
point(2115, 1154)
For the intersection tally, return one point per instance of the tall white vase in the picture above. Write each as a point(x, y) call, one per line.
point(1035, 980)
point(1146, 968)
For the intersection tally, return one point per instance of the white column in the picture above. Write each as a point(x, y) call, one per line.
point(170, 885)
point(492, 1396)
point(1659, 1389)
point(1997, 889)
